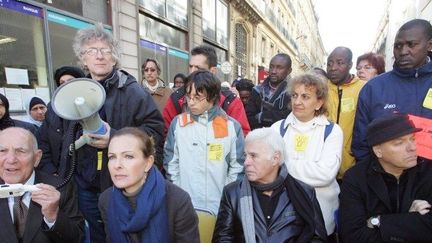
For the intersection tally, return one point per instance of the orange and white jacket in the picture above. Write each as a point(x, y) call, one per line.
point(204, 153)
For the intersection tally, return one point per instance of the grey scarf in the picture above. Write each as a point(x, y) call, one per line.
point(246, 204)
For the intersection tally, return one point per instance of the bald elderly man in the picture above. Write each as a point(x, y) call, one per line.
point(46, 215)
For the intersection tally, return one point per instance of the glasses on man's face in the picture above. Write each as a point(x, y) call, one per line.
point(195, 98)
point(149, 70)
point(93, 51)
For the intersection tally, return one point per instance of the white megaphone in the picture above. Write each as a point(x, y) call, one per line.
point(80, 100)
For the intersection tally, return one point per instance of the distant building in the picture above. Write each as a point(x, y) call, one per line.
point(36, 37)
point(395, 14)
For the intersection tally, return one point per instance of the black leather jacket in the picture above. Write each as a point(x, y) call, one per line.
point(229, 226)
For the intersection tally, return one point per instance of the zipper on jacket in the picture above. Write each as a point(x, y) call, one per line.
point(339, 104)
point(397, 198)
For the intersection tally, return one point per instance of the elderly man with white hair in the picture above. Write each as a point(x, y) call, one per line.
point(268, 205)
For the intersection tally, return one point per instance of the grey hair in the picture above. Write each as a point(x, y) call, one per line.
point(271, 138)
point(93, 33)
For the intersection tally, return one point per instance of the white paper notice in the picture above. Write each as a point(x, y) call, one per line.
point(15, 100)
point(44, 94)
point(17, 76)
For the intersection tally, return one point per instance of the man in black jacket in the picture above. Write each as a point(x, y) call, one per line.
point(388, 198)
point(126, 104)
point(47, 215)
point(269, 102)
point(268, 205)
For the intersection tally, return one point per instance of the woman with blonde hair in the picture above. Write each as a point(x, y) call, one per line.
point(314, 145)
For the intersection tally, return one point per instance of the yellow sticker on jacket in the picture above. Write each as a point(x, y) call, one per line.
point(427, 102)
point(99, 160)
point(347, 104)
point(215, 151)
point(300, 142)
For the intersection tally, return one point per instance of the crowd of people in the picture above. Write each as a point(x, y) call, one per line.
point(323, 156)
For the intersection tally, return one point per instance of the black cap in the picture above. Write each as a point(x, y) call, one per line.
point(389, 127)
point(73, 71)
point(36, 101)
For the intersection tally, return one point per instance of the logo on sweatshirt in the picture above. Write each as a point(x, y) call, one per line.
point(389, 106)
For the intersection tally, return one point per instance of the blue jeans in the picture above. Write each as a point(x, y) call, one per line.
point(88, 205)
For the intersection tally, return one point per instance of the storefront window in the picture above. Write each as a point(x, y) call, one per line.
point(222, 23)
point(154, 51)
point(156, 6)
point(171, 61)
point(177, 11)
point(93, 9)
point(178, 62)
point(23, 65)
point(215, 23)
point(62, 31)
point(161, 33)
point(173, 10)
point(209, 19)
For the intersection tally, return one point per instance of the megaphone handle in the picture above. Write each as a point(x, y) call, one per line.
point(72, 153)
point(84, 139)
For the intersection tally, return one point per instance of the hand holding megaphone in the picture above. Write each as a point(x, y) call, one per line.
point(100, 141)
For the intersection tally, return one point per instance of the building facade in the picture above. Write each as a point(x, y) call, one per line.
point(262, 28)
point(36, 37)
point(396, 14)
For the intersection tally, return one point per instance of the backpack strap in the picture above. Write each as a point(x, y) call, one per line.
point(229, 98)
point(282, 128)
point(328, 129)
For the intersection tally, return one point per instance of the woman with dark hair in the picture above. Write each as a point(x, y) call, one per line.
point(213, 155)
point(314, 145)
point(154, 84)
point(142, 206)
point(370, 65)
point(179, 80)
point(6, 121)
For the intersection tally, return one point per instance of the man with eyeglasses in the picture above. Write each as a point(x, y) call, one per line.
point(126, 104)
point(406, 89)
point(204, 146)
point(343, 91)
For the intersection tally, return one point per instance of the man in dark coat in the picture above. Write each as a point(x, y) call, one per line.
point(52, 215)
point(126, 104)
point(269, 102)
point(388, 197)
point(268, 205)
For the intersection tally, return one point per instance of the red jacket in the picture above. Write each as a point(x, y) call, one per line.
point(235, 110)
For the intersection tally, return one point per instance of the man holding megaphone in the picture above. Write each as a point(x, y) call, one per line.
point(111, 100)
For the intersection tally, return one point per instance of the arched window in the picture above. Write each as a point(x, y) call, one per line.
point(240, 50)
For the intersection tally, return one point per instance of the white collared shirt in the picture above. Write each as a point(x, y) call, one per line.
point(26, 200)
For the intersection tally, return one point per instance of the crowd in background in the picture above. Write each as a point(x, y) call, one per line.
point(322, 156)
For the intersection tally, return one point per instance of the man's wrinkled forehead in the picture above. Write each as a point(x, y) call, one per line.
point(15, 138)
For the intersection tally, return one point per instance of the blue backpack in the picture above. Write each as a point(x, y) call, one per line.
point(327, 130)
